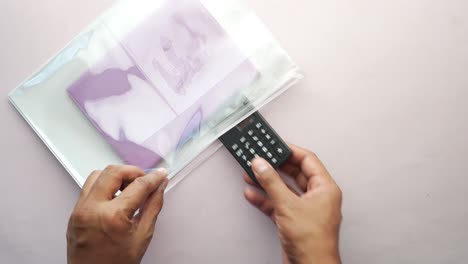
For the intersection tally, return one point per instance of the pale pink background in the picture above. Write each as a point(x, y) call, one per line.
point(384, 105)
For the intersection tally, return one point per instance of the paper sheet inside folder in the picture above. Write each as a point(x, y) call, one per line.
point(160, 83)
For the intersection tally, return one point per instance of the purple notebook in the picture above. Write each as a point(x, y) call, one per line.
point(161, 82)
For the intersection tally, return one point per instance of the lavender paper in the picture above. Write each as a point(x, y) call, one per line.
point(154, 90)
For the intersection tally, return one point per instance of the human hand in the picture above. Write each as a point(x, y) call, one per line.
point(308, 223)
point(102, 228)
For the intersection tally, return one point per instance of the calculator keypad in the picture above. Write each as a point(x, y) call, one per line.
point(257, 139)
point(279, 151)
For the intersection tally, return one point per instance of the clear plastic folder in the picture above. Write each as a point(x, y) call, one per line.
point(154, 83)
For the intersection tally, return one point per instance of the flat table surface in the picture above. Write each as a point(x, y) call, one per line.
point(384, 105)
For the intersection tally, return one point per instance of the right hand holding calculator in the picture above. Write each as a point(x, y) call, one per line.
point(254, 137)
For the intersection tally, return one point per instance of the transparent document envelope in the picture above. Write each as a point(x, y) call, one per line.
point(154, 84)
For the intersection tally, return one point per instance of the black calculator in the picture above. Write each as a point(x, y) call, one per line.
point(254, 137)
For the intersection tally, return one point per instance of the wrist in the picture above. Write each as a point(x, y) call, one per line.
point(322, 260)
point(326, 252)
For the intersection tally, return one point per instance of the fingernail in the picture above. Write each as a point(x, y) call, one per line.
point(162, 170)
point(163, 185)
point(260, 165)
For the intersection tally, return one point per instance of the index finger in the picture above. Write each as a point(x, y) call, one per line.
point(89, 183)
point(133, 197)
point(112, 178)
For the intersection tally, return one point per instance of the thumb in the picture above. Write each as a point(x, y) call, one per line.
point(150, 211)
point(270, 180)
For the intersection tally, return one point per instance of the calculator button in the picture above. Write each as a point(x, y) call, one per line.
point(249, 163)
point(279, 150)
point(256, 155)
point(267, 136)
point(252, 151)
point(258, 125)
point(272, 142)
point(250, 132)
point(255, 138)
point(265, 149)
point(239, 152)
point(244, 157)
point(235, 147)
point(274, 160)
point(260, 144)
point(242, 140)
point(263, 131)
point(269, 155)
point(247, 145)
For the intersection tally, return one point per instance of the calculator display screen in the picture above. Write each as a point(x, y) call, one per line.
point(245, 123)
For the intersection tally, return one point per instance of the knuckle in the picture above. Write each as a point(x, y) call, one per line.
point(116, 221)
point(95, 172)
point(112, 168)
point(339, 193)
point(143, 183)
point(80, 216)
point(340, 216)
point(265, 178)
point(135, 252)
point(312, 155)
point(134, 169)
point(286, 206)
point(335, 195)
point(148, 237)
point(148, 234)
point(77, 238)
point(112, 216)
point(336, 190)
